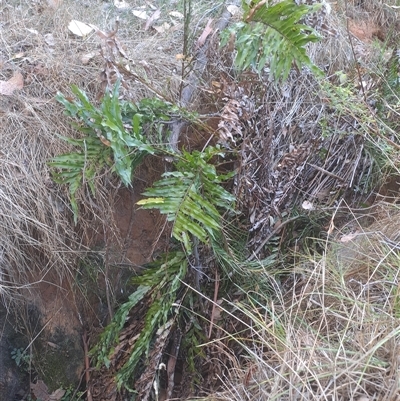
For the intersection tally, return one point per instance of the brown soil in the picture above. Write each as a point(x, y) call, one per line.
point(68, 307)
point(366, 31)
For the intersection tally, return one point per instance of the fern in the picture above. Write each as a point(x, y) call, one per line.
point(273, 35)
point(117, 135)
point(189, 197)
point(391, 86)
point(159, 283)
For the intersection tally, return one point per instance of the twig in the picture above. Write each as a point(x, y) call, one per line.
point(326, 172)
point(171, 364)
point(354, 53)
point(216, 288)
point(193, 79)
point(273, 232)
point(87, 365)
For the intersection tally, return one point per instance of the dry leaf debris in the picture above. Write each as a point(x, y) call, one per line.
point(284, 161)
point(7, 88)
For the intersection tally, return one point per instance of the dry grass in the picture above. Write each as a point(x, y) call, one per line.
point(37, 230)
point(334, 333)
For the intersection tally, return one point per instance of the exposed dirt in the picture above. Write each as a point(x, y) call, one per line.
point(63, 309)
point(140, 230)
point(366, 31)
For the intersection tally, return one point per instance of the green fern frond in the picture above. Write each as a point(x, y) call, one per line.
point(159, 284)
point(391, 86)
point(273, 35)
point(76, 168)
point(189, 197)
point(117, 135)
point(109, 337)
point(164, 295)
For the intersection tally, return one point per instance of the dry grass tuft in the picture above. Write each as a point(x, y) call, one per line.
point(334, 334)
point(37, 229)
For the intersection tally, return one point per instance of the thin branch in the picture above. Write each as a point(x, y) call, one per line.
point(354, 53)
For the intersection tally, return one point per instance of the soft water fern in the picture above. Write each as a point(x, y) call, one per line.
point(157, 288)
point(117, 135)
point(273, 35)
point(190, 197)
point(391, 86)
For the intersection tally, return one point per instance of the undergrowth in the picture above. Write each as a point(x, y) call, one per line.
point(294, 326)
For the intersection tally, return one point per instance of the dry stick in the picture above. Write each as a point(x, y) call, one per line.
point(171, 364)
point(216, 288)
point(354, 53)
point(194, 78)
point(273, 232)
point(87, 365)
point(326, 172)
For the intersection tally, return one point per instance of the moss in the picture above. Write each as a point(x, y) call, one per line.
point(59, 361)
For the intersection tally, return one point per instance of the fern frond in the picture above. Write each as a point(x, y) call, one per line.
point(158, 286)
point(170, 275)
point(189, 198)
point(110, 335)
point(273, 35)
point(391, 86)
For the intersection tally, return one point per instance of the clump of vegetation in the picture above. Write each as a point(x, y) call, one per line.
point(331, 327)
point(290, 147)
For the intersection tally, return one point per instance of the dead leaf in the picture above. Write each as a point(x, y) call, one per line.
point(234, 10)
point(349, 237)
point(87, 57)
point(57, 395)
point(40, 390)
point(121, 50)
point(8, 87)
point(121, 4)
point(79, 28)
point(105, 141)
point(207, 30)
point(176, 14)
point(17, 56)
point(150, 21)
point(306, 205)
point(34, 31)
point(140, 14)
point(162, 28)
point(49, 39)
